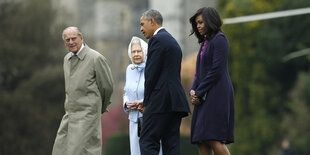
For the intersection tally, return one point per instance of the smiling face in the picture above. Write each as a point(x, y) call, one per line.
point(147, 27)
point(200, 25)
point(137, 54)
point(73, 40)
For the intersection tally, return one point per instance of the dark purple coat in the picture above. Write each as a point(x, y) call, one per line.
point(214, 118)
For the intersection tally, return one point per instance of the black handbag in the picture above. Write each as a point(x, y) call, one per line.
point(140, 122)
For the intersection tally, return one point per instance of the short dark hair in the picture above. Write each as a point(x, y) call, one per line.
point(153, 14)
point(212, 21)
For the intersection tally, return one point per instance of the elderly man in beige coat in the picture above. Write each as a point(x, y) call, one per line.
point(89, 86)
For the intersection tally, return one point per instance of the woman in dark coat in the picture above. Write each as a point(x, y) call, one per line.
point(212, 91)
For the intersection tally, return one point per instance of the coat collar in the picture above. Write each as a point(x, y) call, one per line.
point(159, 29)
point(82, 54)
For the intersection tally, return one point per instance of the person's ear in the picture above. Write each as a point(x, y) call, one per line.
point(153, 22)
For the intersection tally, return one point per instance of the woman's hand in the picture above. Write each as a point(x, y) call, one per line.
point(141, 107)
point(192, 93)
point(131, 105)
point(195, 99)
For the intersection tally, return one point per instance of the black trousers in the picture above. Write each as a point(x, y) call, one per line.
point(164, 127)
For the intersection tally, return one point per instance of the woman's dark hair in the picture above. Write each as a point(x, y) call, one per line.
point(212, 21)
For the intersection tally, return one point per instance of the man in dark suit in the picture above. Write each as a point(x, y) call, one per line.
point(165, 102)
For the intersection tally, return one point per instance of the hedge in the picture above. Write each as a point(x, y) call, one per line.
point(118, 144)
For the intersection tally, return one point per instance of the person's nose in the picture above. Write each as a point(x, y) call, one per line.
point(71, 41)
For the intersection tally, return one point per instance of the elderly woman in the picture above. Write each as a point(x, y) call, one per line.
point(134, 89)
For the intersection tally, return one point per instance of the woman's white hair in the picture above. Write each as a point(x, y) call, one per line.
point(139, 41)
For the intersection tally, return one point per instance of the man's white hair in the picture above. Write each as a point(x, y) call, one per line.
point(72, 28)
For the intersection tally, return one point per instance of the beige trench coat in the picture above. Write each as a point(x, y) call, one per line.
point(89, 86)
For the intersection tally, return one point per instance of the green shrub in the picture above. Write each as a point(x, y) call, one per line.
point(117, 144)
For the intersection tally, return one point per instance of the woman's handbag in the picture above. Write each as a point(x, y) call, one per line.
point(140, 122)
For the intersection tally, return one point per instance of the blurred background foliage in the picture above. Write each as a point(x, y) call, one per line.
point(272, 96)
point(266, 107)
point(31, 77)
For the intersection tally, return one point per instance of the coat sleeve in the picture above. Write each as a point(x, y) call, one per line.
point(125, 99)
point(153, 66)
point(125, 96)
point(194, 85)
point(104, 81)
point(220, 53)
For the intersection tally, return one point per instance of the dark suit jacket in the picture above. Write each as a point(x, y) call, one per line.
point(163, 90)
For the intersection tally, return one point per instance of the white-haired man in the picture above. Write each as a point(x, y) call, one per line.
point(89, 85)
